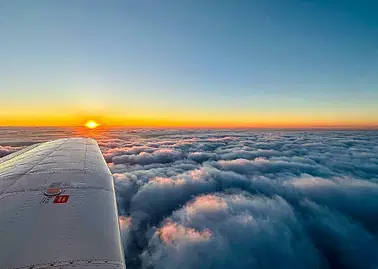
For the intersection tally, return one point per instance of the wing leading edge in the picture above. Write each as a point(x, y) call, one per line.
point(58, 208)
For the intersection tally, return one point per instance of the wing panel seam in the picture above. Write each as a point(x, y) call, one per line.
point(70, 262)
point(8, 194)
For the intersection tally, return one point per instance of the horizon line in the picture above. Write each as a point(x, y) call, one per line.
point(102, 126)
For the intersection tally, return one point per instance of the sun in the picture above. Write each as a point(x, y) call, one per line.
point(91, 124)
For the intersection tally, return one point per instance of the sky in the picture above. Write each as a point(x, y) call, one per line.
point(189, 63)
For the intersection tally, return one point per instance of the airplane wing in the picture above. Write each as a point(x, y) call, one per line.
point(58, 208)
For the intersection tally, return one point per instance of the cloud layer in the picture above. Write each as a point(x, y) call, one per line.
point(242, 199)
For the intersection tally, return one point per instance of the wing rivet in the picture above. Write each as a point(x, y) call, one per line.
point(53, 191)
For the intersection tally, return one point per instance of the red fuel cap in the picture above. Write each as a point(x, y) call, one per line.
point(53, 191)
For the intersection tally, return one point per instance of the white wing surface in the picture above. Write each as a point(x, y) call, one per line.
point(58, 209)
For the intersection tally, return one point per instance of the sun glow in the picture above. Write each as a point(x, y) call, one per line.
point(91, 124)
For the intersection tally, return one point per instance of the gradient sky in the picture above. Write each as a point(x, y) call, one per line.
point(189, 63)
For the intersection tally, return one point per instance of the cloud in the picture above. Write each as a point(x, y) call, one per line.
point(145, 157)
point(173, 234)
point(342, 241)
point(244, 199)
point(5, 150)
point(259, 200)
point(265, 166)
point(232, 231)
point(201, 157)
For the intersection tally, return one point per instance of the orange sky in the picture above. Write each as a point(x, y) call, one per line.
point(280, 121)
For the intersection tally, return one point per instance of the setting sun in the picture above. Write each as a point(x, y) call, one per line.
point(91, 124)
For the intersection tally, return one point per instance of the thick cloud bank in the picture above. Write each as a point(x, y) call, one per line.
point(248, 199)
point(206, 199)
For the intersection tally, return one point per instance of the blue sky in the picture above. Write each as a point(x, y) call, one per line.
point(197, 61)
